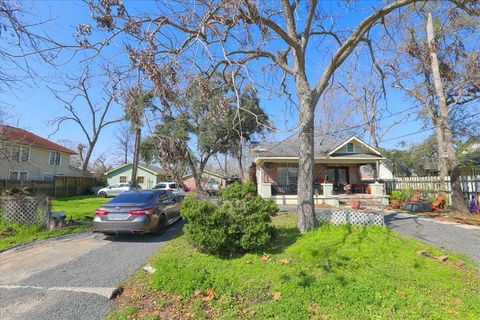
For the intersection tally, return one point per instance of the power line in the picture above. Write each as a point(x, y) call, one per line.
point(369, 122)
point(420, 131)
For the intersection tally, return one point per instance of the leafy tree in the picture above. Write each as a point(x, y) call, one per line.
point(210, 122)
point(244, 123)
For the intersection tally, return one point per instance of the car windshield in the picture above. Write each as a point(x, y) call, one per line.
point(137, 197)
point(173, 185)
point(213, 182)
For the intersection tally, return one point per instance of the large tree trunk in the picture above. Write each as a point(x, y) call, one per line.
point(458, 202)
point(441, 161)
point(136, 155)
point(239, 155)
point(88, 155)
point(306, 209)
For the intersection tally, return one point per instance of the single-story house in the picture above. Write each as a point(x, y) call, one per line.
point(27, 156)
point(189, 181)
point(147, 175)
point(341, 165)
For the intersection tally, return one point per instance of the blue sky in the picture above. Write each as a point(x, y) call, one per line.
point(34, 106)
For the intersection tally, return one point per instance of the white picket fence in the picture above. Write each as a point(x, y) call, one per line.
point(470, 185)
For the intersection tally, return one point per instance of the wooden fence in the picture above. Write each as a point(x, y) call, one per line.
point(58, 187)
point(470, 185)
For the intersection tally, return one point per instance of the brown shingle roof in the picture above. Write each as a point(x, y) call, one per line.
point(20, 136)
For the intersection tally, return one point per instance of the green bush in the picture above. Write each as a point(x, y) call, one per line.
point(239, 190)
point(230, 227)
point(398, 195)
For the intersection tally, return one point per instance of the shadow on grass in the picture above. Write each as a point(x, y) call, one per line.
point(283, 237)
point(172, 232)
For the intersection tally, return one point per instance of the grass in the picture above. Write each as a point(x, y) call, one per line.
point(80, 208)
point(333, 272)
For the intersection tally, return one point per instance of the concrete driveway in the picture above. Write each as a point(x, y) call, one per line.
point(451, 236)
point(72, 278)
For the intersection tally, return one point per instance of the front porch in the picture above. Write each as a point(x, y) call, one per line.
point(335, 183)
point(326, 196)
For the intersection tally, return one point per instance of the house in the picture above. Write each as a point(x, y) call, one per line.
point(26, 156)
point(147, 175)
point(341, 166)
point(189, 181)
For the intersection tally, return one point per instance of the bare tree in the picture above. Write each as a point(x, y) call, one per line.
point(441, 123)
point(365, 87)
point(76, 160)
point(82, 106)
point(235, 33)
point(444, 84)
point(125, 142)
point(335, 114)
point(24, 40)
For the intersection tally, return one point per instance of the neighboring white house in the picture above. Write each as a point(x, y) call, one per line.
point(26, 156)
point(147, 176)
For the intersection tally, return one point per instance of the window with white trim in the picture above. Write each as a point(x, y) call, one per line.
point(54, 158)
point(47, 176)
point(15, 153)
point(123, 179)
point(24, 154)
point(350, 147)
point(140, 179)
point(287, 175)
point(18, 175)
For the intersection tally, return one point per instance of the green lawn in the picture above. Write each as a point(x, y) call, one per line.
point(334, 272)
point(81, 209)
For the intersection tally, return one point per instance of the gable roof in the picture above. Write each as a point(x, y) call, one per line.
point(324, 146)
point(20, 136)
point(360, 141)
point(290, 147)
point(147, 167)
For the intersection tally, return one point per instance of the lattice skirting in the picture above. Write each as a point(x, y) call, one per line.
point(350, 217)
point(25, 210)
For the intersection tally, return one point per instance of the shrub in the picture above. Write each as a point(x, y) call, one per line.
point(398, 195)
point(231, 227)
point(239, 190)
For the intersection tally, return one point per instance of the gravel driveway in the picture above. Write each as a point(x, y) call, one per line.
point(451, 236)
point(71, 278)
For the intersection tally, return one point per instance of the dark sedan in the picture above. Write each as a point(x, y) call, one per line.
point(139, 211)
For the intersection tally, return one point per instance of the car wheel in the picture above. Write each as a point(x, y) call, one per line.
point(102, 194)
point(162, 224)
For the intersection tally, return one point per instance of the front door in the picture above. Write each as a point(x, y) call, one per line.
point(339, 177)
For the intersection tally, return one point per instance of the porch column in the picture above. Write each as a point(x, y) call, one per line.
point(327, 189)
point(376, 188)
point(265, 190)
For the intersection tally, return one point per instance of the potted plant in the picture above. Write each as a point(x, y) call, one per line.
point(355, 204)
point(397, 198)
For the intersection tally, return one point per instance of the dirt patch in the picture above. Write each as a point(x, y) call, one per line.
point(473, 221)
point(323, 206)
point(161, 304)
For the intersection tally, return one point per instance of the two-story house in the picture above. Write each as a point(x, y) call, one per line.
point(26, 156)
